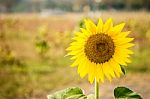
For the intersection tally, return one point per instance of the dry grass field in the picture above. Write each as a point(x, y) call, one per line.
point(27, 74)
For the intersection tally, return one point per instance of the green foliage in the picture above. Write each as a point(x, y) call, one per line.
point(140, 59)
point(125, 93)
point(41, 43)
point(7, 56)
point(148, 34)
point(81, 23)
point(70, 93)
point(42, 47)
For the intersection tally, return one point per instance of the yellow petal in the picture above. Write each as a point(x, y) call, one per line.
point(92, 71)
point(77, 33)
point(90, 26)
point(119, 35)
point(96, 74)
point(109, 69)
point(108, 25)
point(75, 63)
point(122, 54)
point(127, 45)
point(116, 67)
point(124, 34)
point(119, 60)
point(77, 56)
point(100, 26)
point(74, 52)
point(127, 60)
point(86, 32)
point(100, 73)
point(123, 58)
point(81, 65)
point(117, 29)
point(127, 51)
point(85, 69)
point(74, 48)
point(120, 41)
point(77, 43)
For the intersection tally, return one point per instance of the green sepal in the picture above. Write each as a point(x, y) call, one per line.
point(123, 69)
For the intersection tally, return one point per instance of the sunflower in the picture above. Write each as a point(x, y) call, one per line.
point(99, 50)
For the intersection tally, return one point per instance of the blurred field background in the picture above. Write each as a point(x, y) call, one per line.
point(33, 41)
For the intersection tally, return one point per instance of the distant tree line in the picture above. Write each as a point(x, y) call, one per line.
point(71, 5)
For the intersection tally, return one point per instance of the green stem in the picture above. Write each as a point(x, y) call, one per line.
point(96, 90)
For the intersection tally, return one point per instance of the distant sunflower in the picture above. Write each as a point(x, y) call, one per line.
point(99, 50)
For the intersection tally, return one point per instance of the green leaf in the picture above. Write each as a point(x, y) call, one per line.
point(125, 93)
point(123, 69)
point(69, 93)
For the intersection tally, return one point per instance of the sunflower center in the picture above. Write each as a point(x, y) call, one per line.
point(99, 48)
